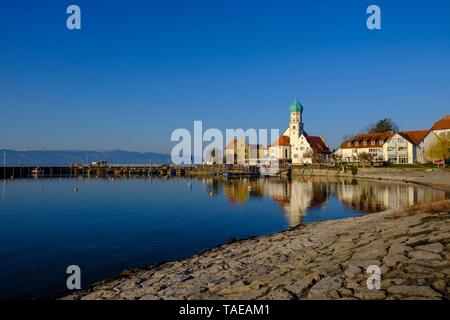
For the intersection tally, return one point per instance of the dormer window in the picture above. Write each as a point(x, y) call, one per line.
point(349, 144)
point(356, 143)
point(365, 143)
point(381, 142)
point(372, 142)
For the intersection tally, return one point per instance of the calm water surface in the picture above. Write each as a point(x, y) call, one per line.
point(105, 225)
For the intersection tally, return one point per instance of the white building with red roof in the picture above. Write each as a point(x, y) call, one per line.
point(395, 147)
point(442, 127)
point(295, 144)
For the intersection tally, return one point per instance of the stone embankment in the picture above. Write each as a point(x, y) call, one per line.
point(431, 177)
point(324, 260)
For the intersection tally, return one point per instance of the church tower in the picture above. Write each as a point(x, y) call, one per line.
point(296, 123)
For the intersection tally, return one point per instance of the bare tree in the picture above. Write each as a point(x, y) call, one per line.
point(365, 158)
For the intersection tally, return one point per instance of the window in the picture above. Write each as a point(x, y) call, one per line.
point(365, 143)
point(295, 156)
point(372, 142)
point(381, 142)
point(393, 158)
point(293, 127)
point(285, 153)
point(403, 159)
point(356, 143)
point(355, 150)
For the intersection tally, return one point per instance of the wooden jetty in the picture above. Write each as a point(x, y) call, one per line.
point(118, 170)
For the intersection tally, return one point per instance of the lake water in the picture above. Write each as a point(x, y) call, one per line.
point(106, 225)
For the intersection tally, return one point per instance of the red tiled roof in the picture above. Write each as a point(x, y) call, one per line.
point(358, 140)
point(231, 144)
point(282, 141)
point(318, 144)
point(442, 124)
point(416, 136)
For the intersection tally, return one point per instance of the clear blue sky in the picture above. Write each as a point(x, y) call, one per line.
point(139, 69)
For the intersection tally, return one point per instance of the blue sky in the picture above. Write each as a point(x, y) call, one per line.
point(139, 69)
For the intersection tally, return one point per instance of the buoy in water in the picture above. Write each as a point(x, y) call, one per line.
point(75, 189)
point(211, 194)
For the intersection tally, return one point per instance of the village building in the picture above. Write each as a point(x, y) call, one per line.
point(297, 146)
point(442, 127)
point(238, 151)
point(281, 149)
point(422, 141)
point(394, 147)
point(439, 130)
point(404, 147)
point(370, 143)
point(398, 149)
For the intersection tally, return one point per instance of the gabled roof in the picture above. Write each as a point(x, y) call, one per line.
point(442, 124)
point(371, 139)
point(318, 144)
point(231, 144)
point(283, 141)
point(416, 136)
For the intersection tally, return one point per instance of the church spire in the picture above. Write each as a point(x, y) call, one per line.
point(296, 106)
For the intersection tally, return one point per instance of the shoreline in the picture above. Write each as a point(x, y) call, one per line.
point(319, 260)
point(417, 176)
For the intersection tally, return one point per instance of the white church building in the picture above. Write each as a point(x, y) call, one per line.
point(297, 146)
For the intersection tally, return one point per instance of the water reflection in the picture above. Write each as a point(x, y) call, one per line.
point(113, 224)
point(299, 196)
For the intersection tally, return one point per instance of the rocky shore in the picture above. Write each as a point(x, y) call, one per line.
point(324, 260)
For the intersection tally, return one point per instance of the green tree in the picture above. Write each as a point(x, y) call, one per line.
point(440, 149)
point(383, 125)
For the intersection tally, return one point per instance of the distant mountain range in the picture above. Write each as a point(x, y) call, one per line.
point(64, 158)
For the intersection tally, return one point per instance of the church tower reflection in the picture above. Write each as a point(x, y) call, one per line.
point(296, 197)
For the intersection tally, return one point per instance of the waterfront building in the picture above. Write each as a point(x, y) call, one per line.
point(442, 127)
point(396, 147)
point(366, 143)
point(238, 151)
point(422, 140)
point(296, 145)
